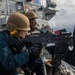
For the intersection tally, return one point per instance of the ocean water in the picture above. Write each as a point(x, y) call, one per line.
point(68, 68)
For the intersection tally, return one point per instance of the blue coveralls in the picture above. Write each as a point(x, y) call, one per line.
point(36, 66)
point(8, 61)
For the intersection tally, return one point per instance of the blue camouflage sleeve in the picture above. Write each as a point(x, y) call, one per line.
point(7, 59)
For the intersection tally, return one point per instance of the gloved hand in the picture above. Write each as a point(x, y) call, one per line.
point(50, 48)
point(34, 51)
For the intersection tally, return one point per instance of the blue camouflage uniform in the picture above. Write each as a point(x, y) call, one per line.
point(8, 61)
point(36, 65)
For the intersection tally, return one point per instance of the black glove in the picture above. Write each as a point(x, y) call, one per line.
point(50, 49)
point(34, 51)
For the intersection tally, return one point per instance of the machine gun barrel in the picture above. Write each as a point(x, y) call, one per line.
point(47, 38)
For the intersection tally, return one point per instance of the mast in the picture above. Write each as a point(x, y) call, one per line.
point(7, 5)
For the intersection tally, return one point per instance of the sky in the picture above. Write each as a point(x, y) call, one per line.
point(65, 18)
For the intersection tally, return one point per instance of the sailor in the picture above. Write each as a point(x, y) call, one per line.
point(17, 25)
point(35, 65)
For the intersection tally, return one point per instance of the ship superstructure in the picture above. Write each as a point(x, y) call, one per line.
point(45, 12)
